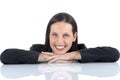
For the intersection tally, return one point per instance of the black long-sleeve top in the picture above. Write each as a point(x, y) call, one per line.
point(20, 56)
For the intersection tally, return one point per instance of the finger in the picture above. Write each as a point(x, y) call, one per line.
point(44, 57)
point(60, 57)
point(49, 53)
point(65, 61)
point(62, 61)
point(53, 57)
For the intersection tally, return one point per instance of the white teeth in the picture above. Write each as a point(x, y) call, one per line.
point(60, 47)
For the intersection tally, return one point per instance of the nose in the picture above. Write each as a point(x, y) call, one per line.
point(60, 40)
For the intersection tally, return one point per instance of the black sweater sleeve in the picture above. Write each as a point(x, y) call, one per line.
point(19, 56)
point(99, 54)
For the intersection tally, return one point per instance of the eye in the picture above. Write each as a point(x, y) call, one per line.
point(54, 35)
point(66, 35)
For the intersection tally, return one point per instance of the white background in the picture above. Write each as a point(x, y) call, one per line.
point(24, 22)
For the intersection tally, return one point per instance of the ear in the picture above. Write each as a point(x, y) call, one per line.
point(75, 36)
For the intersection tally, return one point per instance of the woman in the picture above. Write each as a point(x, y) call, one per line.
point(60, 46)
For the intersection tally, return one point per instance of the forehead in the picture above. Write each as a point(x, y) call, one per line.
point(61, 27)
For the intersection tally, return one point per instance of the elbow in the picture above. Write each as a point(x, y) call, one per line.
point(115, 55)
point(7, 56)
point(4, 56)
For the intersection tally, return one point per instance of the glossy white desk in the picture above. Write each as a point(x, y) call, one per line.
point(61, 71)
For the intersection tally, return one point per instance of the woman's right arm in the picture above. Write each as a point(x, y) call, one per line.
point(19, 56)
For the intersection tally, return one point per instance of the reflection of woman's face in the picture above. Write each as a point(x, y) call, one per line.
point(61, 37)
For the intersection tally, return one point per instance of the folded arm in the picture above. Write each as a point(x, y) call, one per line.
point(99, 54)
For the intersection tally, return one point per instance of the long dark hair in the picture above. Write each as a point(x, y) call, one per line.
point(58, 18)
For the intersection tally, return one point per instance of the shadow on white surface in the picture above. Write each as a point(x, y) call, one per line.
point(61, 71)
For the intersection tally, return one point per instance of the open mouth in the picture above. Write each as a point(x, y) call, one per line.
point(60, 47)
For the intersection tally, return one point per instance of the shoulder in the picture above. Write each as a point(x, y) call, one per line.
point(81, 46)
point(37, 47)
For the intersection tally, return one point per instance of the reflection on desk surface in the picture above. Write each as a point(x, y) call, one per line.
point(60, 71)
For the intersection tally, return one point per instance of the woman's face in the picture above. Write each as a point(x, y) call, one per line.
point(61, 37)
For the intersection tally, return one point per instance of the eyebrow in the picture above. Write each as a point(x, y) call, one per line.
point(53, 32)
point(63, 34)
point(56, 32)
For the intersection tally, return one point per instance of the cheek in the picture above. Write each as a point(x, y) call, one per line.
point(52, 41)
point(69, 43)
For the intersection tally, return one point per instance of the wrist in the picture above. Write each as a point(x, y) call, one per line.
point(77, 55)
point(39, 58)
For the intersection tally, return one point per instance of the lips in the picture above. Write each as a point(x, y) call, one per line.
point(60, 47)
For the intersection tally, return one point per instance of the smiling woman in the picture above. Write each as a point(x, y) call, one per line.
point(61, 37)
point(61, 45)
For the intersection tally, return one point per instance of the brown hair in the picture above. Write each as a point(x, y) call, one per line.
point(58, 18)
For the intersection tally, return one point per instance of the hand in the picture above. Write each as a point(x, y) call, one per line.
point(54, 58)
point(45, 56)
point(68, 57)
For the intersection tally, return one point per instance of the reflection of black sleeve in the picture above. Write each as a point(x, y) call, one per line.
point(19, 71)
point(18, 56)
point(100, 69)
point(99, 54)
